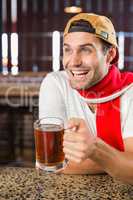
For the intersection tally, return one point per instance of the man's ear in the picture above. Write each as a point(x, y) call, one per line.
point(111, 55)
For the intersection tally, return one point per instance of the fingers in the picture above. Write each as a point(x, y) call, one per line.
point(75, 151)
point(74, 154)
point(73, 158)
point(72, 136)
point(75, 146)
point(76, 141)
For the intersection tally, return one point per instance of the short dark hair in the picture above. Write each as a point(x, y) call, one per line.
point(85, 26)
point(81, 25)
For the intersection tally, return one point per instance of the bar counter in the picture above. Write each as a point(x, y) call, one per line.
point(31, 184)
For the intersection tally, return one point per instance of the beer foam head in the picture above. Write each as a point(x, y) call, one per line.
point(51, 127)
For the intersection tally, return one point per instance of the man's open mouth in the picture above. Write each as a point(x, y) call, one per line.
point(79, 74)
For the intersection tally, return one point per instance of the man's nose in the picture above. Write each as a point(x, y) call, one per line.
point(76, 60)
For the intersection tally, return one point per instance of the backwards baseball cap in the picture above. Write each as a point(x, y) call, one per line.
point(102, 28)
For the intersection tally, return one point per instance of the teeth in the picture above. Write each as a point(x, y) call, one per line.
point(79, 72)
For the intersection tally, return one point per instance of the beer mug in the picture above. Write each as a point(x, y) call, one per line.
point(49, 133)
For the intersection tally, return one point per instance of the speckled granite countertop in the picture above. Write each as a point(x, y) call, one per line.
point(30, 184)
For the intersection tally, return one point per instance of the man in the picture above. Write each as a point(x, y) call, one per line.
point(94, 98)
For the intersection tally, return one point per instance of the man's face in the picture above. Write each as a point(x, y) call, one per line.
point(84, 59)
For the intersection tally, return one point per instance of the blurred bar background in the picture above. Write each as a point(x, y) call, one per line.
point(31, 35)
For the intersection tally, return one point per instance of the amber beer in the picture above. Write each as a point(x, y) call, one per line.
point(49, 145)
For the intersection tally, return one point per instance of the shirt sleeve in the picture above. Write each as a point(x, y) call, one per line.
point(51, 103)
point(127, 114)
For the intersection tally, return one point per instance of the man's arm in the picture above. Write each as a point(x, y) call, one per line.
point(116, 163)
point(80, 145)
point(85, 167)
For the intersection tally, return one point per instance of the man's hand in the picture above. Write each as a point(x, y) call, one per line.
point(78, 146)
point(78, 141)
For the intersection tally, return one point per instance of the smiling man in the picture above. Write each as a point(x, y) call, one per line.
point(92, 96)
point(84, 59)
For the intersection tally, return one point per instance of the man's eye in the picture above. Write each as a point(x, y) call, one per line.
point(86, 49)
point(66, 50)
